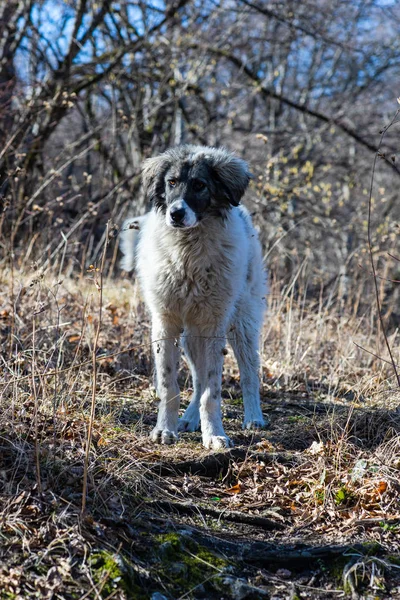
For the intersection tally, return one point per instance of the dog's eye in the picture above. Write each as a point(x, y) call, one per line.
point(172, 182)
point(198, 185)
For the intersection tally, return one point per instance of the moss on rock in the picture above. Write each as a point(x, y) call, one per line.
point(112, 572)
point(187, 564)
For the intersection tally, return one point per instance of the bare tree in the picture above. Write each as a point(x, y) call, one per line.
point(89, 89)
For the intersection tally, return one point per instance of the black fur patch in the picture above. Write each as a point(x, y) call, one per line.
point(209, 180)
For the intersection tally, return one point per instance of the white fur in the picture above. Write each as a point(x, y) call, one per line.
point(127, 241)
point(203, 284)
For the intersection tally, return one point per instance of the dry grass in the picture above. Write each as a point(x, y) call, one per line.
point(325, 472)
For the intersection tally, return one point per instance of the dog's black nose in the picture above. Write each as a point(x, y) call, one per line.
point(177, 215)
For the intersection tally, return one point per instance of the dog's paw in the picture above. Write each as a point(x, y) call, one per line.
point(185, 425)
point(256, 424)
point(217, 442)
point(163, 436)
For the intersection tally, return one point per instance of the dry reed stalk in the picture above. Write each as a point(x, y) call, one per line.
point(94, 375)
point(35, 397)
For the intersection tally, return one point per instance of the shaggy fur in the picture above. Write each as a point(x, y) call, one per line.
point(200, 268)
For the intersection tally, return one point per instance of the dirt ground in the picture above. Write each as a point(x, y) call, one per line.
point(307, 508)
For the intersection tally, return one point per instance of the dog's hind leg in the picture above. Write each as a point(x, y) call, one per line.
point(244, 339)
point(165, 337)
point(194, 348)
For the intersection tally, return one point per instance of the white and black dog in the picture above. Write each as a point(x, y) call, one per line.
point(200, 267)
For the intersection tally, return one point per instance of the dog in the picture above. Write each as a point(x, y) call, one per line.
point(200, 267)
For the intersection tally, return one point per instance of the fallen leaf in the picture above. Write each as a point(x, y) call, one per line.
point(382, 487)
point(236, 489)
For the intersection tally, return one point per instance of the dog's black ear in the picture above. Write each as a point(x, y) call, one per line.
point(231, 175)
point(153, 173)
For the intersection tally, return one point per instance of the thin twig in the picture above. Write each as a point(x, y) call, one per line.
point(388, 362)
point(378, 302)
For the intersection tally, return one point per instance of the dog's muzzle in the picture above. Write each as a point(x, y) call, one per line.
point(180, 215)
point(177, 216)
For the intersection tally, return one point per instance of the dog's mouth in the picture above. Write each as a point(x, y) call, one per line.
point(176, 225)
point(182, 225)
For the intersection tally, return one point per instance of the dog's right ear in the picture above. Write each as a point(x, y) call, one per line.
point(153, 173)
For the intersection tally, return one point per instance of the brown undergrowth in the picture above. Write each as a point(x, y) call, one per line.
point(307, 508)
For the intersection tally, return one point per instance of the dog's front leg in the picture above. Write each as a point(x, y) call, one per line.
point(213, 434)
point(165, 336)
point(193, 345)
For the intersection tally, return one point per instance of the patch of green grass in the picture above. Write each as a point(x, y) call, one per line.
point(394, 527)
point(298, 419)
point(343, 496)
point(235, 402)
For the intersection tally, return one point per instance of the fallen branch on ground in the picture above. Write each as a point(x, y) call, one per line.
point(227, 515)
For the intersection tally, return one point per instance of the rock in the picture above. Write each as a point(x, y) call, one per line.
point(178, 569)
point(240, 589)
point(283, 573)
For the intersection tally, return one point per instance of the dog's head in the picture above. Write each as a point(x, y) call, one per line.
point(188, 183)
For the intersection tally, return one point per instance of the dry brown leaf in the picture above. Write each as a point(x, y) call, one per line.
point(74, 338)
point(382, 487)
point(103, 442)
point(236, 489)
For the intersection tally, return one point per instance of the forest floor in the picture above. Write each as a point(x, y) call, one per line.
point(308, 508)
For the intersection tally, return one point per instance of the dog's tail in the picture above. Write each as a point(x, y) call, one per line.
point(128, 238)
